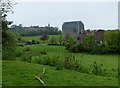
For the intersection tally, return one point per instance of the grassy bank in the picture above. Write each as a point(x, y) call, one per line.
point(17, 73)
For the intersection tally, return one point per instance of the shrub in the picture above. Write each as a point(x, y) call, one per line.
point(27, 49)
point(59, 64)
point(33, 42)
point(81, 47)
point(73, 48)
point(36, 60)
point(53, 40)
point(8, 55)
point(97, 69)
point(100, 49)
point(26, 58)
point(38, 42)
point(67, 46)
point(18, 54)
point(28, 43)
point(69, 62)
point(43, 52)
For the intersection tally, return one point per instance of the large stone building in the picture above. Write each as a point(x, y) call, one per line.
point(73, 27)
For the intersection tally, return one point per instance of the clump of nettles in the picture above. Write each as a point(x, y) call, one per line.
point(98, 70)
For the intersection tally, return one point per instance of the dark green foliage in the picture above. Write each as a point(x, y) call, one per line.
point(73, 48)
point(67, 46)
point(100, 49)
point(43, 52)
point(80, 47)
point(59, 64)
point(53, 40)
point(35, 30)
point(26, 58)
point(60, 39)
point(27, 49)
point(111, 44)
point(8, 43)
point(8, 38)
point(18, 54)
point(33, 42)
point(98, 70)
point(111, 39)
point(69, 62)
point(36, 60)
point(89, 42)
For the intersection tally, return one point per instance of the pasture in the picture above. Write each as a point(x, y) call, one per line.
point(24, 74)
point(53, 77)
point(109, 62)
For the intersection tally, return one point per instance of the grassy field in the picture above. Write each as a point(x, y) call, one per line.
point(27, 71)
point(24, 74)
point(110, 62)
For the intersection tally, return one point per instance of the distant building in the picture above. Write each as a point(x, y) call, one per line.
point(73, 27)
point(99, 35)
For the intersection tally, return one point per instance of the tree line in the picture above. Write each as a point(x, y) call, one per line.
point(109, 44)
point(35, 30)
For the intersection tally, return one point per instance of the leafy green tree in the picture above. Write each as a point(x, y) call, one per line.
point(8, 38)
point(89, 42)
point(60, 39)
point(53, 40)
point(71, 40)
point(112, 40)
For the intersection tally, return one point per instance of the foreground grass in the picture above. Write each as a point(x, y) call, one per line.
point(17, 73)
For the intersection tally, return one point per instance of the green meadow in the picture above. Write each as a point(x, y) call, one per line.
point(24, 74)
point(53, 77)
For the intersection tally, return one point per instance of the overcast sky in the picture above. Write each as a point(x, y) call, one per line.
point(94, 15)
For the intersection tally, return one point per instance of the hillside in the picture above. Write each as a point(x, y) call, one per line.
point(17, 73)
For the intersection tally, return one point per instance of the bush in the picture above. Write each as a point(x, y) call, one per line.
point(36, 60)
point(67, 46)
point(26, 58)
point(33, 42)
point(69, 62)
point(28, 43)
point(100, 49)
point(81, 47)
point(59, 64)
point(73, 48)
point(8, 55)
point(43, 52)
point(27, 49)
point(97, 69)
point(18, 54)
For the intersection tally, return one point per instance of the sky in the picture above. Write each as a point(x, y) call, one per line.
point(94, 15)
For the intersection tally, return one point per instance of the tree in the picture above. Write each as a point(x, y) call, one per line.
point(60, 39)
point(111, 38)
point(53, 40)
point(89, 42)
point(66, 37)
point(44, 37)
point(71, 40)
point(8, 38)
